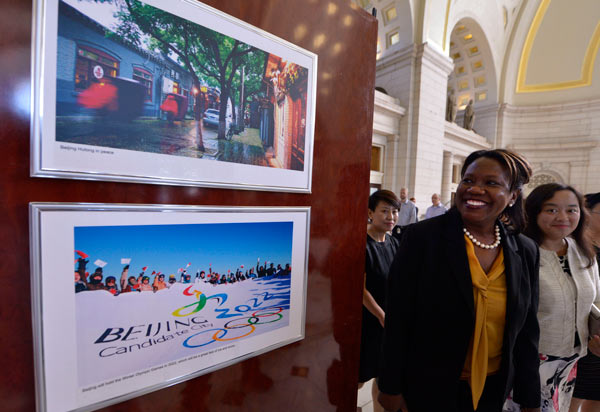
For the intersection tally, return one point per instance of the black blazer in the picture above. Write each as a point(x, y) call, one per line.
point(430, 317)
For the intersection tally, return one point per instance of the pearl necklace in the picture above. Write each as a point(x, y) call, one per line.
point(482, 245)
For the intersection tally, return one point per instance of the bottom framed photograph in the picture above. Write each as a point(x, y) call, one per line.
point(161, 294)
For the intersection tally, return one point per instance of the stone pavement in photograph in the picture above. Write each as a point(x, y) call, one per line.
point(179, 138)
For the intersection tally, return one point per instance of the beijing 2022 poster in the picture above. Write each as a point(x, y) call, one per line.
point(154, 303)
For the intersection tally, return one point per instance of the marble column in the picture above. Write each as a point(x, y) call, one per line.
point(447, 177)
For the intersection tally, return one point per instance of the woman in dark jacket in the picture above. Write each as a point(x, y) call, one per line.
point(461, 328)
point(381, 248)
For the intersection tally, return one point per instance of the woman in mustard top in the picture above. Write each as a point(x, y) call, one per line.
point(461, 328)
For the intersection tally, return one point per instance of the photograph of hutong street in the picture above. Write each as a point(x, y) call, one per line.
point(136, 77)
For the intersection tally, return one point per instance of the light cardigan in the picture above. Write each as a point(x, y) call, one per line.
point(557, 315)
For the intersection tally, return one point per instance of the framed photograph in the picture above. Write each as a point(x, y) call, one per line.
point(168, 92)
point(154, 304)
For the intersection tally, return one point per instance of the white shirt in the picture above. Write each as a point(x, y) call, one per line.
point(407, 213)
point(433, 211)
point(565, 301)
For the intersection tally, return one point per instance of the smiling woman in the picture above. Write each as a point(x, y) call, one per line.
point(472, 268)
point(569, 285)
point(381, 248)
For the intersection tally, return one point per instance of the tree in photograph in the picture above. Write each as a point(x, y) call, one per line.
point(204, 53)
point(254, 68)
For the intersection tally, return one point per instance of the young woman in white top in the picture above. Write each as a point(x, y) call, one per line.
point(569, 284)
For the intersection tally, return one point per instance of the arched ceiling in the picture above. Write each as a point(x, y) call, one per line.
point(554, 57)
point(543, 51)
point(395, 24)
point(474, 75)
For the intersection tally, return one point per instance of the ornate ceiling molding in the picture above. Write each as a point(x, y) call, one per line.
point(587, 66)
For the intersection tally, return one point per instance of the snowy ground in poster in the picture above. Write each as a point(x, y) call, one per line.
point(95, 348)
point(137, 331)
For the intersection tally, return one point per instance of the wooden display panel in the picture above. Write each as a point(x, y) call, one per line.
point(317, 373)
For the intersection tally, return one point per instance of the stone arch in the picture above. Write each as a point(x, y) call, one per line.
point(474, 75)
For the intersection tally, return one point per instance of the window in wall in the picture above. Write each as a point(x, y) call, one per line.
point(378, 48)
point(176, 88)
point(473, 50)
point(478, 65)
point(93, 65)
point(463, 85)
point(463, 101)
point(145, 78)
point(479, 81)
point(377, 158)
point(393, 38)
point(481, 96)
point(390, 14)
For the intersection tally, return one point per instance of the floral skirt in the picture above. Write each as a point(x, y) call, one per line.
point(557, 376)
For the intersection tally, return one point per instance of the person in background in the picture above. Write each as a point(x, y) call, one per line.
point(111, 285)
point(569, 284)
point(587, 385)
point(159, 282)
point(95, 282)
point(132, 285)
point(172, 280)
point(124, 276)
point(436, 209)
point(79, 284)
point(408, 211)
point(260, 270)
point(381, 248)
point(146, 286)
point(460, 324)
point(414, 202)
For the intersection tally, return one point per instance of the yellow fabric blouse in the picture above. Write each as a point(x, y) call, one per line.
point(485, 349)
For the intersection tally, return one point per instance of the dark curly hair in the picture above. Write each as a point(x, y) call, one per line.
point(518, 171)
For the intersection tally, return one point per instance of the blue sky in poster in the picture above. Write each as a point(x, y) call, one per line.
point(166, 248)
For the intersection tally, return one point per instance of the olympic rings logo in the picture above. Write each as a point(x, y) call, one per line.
point(260, 317)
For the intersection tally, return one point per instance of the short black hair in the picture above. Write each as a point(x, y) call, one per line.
point(386, 196)
point(592, 199)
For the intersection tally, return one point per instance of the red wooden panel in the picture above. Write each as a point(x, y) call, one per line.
point(316, 374)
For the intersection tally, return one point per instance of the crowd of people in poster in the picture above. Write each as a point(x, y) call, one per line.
point(155, 281)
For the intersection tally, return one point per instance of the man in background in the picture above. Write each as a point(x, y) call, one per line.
point(408, 211)
point(436, 209)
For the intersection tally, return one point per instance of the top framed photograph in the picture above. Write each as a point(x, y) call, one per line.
point(169, 92)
